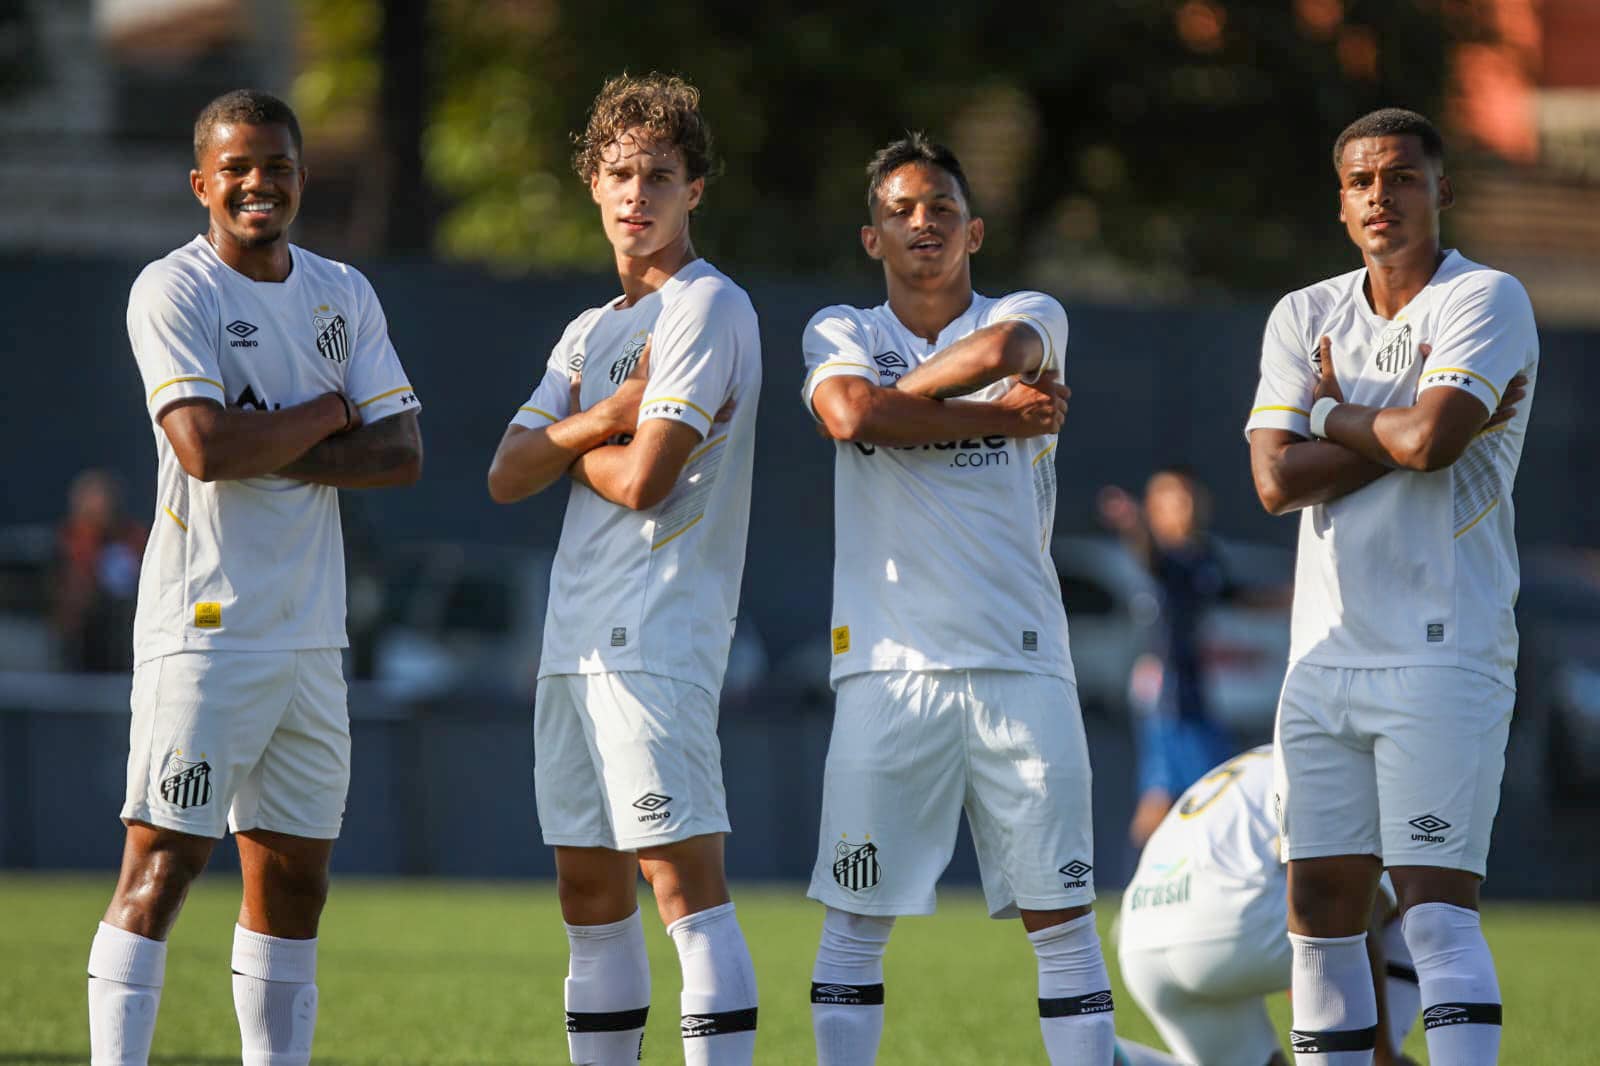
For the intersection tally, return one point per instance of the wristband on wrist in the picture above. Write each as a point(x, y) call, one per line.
point(1319, 416)
point(349, 412)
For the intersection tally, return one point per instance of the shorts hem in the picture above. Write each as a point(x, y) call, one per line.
point(307, 832)
point(1404, 859)
point(683, 833)
point(149, 817)
point(1323, 851)
point(871, 910)
point(1061, 902)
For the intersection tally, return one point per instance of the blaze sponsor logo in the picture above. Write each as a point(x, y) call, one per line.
point(972, 453)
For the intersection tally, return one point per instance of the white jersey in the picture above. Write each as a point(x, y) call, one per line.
point(1415, 569)
point(1211, 869)
point(657, 590)
point(942, 551)
point(255, 564)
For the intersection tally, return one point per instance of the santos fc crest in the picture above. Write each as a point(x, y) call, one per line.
point(332, 341)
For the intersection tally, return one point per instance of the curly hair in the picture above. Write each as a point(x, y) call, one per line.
point(665, 106)
point(249, 106)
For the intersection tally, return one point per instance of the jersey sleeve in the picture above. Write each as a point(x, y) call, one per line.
point(1486, 337)
point(172, 327)
point(694, 355)
point(1046, 315)
point(1283, 396)
point(835, 343)
point(374, 378)
point(552, 397)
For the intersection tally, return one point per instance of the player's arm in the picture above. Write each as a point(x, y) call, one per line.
point(640, 474)
point(1012, 348)
point(216, 443)
point(1428, 435)
point(530, 460)
point(373, 456)
point(853, 409)
point(1291, 472)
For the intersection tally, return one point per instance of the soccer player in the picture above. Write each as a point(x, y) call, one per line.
point(1201, 937)
point(270, 382)
point(1388, 412)
point(648, 404)
point(954, 681)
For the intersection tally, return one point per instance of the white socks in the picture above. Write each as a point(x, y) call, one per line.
point(1075, 1014)
point(1131, 1054)
point(608, 992)
point(1335, 1007)
point(719, 989)
point(125, 975)
point(1460, 993)
point(275, 997)
point(847, 988)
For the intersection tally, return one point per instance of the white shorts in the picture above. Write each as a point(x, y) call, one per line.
point(1403, 763)
point(626, 760)
point(909, 750)
point(264, 735)
point(1206, 998)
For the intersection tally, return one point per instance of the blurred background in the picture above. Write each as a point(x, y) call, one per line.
point(1162, 166)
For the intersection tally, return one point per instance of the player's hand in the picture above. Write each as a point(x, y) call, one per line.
point(1037, 409)
point(1118, 510)
point(1327, 384)
point(1516, 389)
point(575, 405)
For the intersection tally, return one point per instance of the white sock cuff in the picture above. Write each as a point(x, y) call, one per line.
point(700, 919)
point(272, 958)
point(1077, 927)
point(1309, 943)
point(866, 928)
point(118, 955)
point(1430, 927)
point(609, 930)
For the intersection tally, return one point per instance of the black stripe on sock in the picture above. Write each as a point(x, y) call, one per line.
point(847, 995)
point(1070, 1006)
point(717, 1023)
point(1460, 1014)
point(1325, 1041)
point(608, 1021)
point(1401, 973)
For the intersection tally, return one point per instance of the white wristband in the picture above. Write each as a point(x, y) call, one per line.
point(1319, 416)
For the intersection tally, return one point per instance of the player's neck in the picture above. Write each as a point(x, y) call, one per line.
point(1394, 283)
point(926, 312)
point(643, 275)
point(268, 262)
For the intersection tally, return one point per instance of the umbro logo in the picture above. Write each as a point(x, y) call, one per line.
point(1301, 1039)
point(241, 329)
point(835, 990)
point(652, 803)
point(1100, 1001)
point(1429, 827)
point(1076, 873)
point(1442, 1012)
point(891, 365)
point(694, 1023)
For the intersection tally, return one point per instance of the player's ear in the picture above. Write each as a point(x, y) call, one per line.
point(869, 241)
point(197, 184)
point(594, 186)
point(697, 188)
point(1447, 192)
point(974, 236)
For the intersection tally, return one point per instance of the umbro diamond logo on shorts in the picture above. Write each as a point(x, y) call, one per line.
point(652, 803)
point(1075, 872)
point(1429, 827)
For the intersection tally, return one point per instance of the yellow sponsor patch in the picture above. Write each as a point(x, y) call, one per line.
point(841, 640)
point(208, 615)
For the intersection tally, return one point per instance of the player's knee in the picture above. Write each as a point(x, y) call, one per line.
point(1327, 906)
point(153, 887)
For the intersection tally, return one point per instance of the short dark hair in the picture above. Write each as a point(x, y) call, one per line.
point(914, 147)
point(1391, 122)
point(250, 106)
point(666, 106)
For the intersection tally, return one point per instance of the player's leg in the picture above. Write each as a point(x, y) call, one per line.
point(607, 990)
point(1328, 821)
point(1402, 994)
point(662, 775)
point(1028, 801)
point(894, 735)
point(1440, 762)
point(286, 816)
point(199, 723)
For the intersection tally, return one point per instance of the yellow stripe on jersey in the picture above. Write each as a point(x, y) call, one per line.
point(1481, 516)
point(836, 362)
point(1279, 407)
point(1427, 374)
point(1044, 453)
point(385, 395)
point(668, 540)
point(676, 399)
point(537, 411)
point(712, 443)
point(179, 381)
point(181, 523)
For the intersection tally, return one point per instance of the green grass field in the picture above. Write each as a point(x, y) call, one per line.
point(424, 972)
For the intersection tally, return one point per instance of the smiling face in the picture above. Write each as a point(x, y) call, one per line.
point(644, 193)
point(922, 229)
point(1390, 196)
point(250, 180)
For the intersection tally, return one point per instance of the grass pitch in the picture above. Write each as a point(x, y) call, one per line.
point(418, 973)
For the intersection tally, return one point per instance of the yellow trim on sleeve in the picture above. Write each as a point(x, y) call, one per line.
point(677, 399)
point(1279, 407)
point(1481, 515)
point(386, 395)
point(1044, 453)
point(1462, 370)
point(537, 411)
point(179, 381)
point(692, 523)
point(181, 523)
point(836, 362)
point(708, 446)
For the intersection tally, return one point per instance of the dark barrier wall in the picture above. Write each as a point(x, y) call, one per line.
point(1150, 386)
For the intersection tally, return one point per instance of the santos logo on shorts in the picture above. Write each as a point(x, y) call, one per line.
point(189, 785)
point(652, 803)
point(1076, 872)
point(856, 865)
point(1430, 826)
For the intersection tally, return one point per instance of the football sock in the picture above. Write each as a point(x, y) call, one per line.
point(1460, 993)
point(1131, 1054)
point(608, 992)
point(275, 997)
point(1335, 1007)
point(719, 989)
point(1075, 1014)
point(1402, 994)
point(847, 988)
point(125, 975)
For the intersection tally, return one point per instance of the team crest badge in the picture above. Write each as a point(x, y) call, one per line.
point(332, 341)
point(855, 866)
point(187, 784)
point(1397, 353)
point(628, 359)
